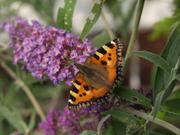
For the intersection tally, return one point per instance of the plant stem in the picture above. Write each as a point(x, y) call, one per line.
point(157, 121)
point(107, 26)
point(138, 12)
point(101, 123)
point(26, 89)
point(5, 57)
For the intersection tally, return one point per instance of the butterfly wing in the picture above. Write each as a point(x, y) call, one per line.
point(110, 57)
point(106, 63)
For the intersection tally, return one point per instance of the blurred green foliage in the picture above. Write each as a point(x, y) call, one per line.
point(44, 8)
point(122, 17)
point(164, 26)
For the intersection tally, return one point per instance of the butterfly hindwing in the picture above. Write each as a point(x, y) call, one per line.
point(80, 91)
point(105, 66)
point(82, 94)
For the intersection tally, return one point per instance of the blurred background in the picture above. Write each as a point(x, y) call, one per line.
point(157, 18)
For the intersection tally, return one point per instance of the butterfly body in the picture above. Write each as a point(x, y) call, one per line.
point(97, 76)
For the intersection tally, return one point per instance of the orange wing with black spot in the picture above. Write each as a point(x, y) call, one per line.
point(101, 72)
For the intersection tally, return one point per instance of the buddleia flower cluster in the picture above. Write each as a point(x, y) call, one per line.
point(69, 122)
point(47, 50)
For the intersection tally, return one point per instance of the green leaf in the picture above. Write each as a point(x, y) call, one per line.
point(88, 132)
point(172, 104)
point(135, 130)
point(13, 117)
point(162, 96)
point(169, 115)
point(64, 18)
point(28, 78)
point(132, 96)
point(109, 130)
point(150, 132)
point(158, 102)
point(2, 130)
point(92, 19)
point(11, 96)
point(32, 122)
point(175, 94)
point(154, 58)
point(115, 128)
point(123, 117)
point(162, 27)
point(170, 54)
point(178, 77)
point(60, 18)
point(118, 127)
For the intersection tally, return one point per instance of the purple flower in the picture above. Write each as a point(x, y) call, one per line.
point(71, 122)
point(51, 125)
point(47, 51)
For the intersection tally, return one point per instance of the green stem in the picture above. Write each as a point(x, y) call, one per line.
point(157, 121)
point(138, 12)
point(26, 89)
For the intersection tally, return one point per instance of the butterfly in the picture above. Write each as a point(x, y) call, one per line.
point(97, 76)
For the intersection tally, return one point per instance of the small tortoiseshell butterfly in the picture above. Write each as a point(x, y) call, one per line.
point(97, 76)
